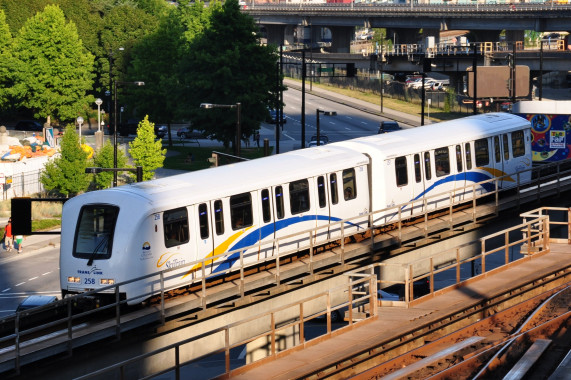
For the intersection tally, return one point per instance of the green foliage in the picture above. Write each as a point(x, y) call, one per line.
point(147, 152)
point(104, 159)
point(5, 59)
point(52, 69)
point(66, 173)
point(226, 64)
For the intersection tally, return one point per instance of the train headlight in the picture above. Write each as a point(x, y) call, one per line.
point(107, 281)
point(74, 280)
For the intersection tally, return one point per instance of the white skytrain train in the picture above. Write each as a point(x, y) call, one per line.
point(118, 234)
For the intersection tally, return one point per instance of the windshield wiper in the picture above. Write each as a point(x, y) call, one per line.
point(96, 250)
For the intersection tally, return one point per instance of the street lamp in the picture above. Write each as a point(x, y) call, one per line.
point(99, 102)
point(115, 83)
point(238, 137)
point(317, 112)
point(79, 121)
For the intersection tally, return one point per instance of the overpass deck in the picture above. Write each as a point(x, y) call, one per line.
point(346, 344)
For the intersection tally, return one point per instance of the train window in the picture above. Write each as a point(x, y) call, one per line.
point(203, 221)
point(506, 147)
point(468, 156)
point(175, 227)
point(417, 170)
point(241, 211)
point(266, 210)
point(517, 144)
point(321, 191)
point(299, 196)
point(94, 234)
point(400, 171)
point(459, 158)
point(482, 152)
point(333, 185)
point(218, 217)
point(442, 161)
point(427, 169)
point(497, 153)
point(349, 184)
point(279, 202)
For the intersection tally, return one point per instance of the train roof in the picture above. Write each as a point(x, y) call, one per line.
point(555, 107)
point(433, 136)
point(244, 176)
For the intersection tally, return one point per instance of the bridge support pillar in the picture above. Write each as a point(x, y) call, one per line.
point(487, 35)
point(341, 38)
point(515, 35)
point(275, 34)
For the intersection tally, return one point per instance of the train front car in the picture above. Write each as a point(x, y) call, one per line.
point(96, 251)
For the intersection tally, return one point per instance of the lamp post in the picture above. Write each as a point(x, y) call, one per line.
point(238, 107)
point(115, 83)
point(98, 134)
point(99, 102)
point(317, 112)
point(79, 122)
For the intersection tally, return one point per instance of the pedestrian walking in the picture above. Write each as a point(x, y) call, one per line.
point(8, 238)
point(257, 135)
point(19, 239)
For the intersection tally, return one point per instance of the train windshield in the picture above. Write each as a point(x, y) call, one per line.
point(94, 234)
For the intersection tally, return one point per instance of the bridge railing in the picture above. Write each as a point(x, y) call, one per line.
point(264, 333)
point(521, 242)
point(73, 321)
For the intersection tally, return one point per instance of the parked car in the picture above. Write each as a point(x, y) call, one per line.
point(388, 126)
point(273, 117)
point(35, 301)
point(323, 138)
point(161, 131)
point(188, 133)
point(314, 143)
point(29, 125)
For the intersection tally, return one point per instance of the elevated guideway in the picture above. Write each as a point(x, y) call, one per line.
point(273, 282)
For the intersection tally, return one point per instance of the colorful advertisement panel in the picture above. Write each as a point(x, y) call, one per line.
point(551, 136)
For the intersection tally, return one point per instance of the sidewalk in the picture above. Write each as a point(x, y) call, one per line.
point(30, 244)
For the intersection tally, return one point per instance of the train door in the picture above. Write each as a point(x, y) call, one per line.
point(417, 185)
point(497, 160)
point(202, 233)
point(468, 166)
point(483, 164)
point(322, 209)
point(460, 176)
point(265, 233)
point(428, 178)
point(444, 179)
point(294, 214)
point(335, 182)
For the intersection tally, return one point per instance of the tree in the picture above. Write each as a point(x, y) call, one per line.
point(226, 64)
point(147, 152)
point(66, 173)
point(5, 59)
point(104, 158)
point(52, 70)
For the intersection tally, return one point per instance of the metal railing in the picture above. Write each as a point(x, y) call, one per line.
point(361, 283)
point(359, 292)
point(283, 246)
point(533, 237)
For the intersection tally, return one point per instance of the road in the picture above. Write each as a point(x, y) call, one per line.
point(347, 123)
point(35, 272)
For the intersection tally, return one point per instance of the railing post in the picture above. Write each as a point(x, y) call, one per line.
point(177, 362)
point(546, 234)
point(372, 231)
point(163, 317)
point(507, 245)
point(483, 250)
point(342, 242)
point(301, 324)
point(203, 285)
point(242, 274)
point(277, 266)
point(117, 313)
point(569, 225)
point(69, 329)
point(227, 349)
point(273, 325)
point(311, 252)
point(457, 265)
point(373, 304)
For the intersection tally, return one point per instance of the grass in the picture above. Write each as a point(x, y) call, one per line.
point(436, 114)
point(200, 156)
